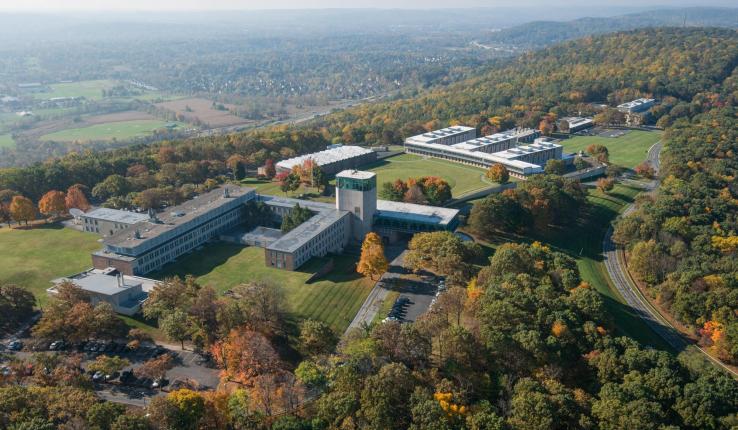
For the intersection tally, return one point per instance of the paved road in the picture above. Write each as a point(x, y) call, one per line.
point(615, 263)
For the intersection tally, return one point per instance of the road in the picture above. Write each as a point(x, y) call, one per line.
point(615, 263)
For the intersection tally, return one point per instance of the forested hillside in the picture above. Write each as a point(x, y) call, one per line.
point(674, 65)
point(524, 343)
point(542, 33)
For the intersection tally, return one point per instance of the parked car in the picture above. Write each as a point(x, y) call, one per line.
point(98, 376)
point(127, 377)
point(15, 345)
point(57, 345)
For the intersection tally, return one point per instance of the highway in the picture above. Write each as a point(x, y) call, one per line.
point(614, 259)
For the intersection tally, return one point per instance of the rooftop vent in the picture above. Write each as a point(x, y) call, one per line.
point(226, 192)
point(137, 234)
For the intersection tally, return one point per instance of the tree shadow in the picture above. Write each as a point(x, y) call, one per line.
point(199, 262)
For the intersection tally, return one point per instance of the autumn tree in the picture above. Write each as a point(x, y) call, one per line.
point(645, 170)
point(316, 337)
point(497, 173)
point(269, 169)
point(5, 214)
point(237, 164)
point(605, 184)
point(555, 167)
point(75, 198)
point(373, 262)
point(244, 355)
point(108, 364)
point(22, 209)
point(155, 368)
point(16, 304)
point(52, 204)
point(442, 252)
point(599, 152)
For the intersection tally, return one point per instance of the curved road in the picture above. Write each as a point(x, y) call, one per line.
point(615, 263)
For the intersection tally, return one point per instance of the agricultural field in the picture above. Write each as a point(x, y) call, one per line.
point(627, 150)
point(196, 110)
point(91, 90)
point(120, 130)
point(6, 141)
point(334, 298)
point(31, 258)
point(463, 179)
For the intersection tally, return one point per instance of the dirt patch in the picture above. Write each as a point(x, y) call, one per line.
point(197, 110)
point(130, 115)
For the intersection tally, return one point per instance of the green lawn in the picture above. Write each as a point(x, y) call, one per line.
point(627, 151)
point(32, 258)
point(335, 298)
point(115, 130)
point(91, 90)
point(6, 141)
point(463, 179)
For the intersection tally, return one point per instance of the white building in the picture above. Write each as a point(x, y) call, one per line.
point(638, 105)
point(573, 124)
point(124, 293)
point(107, 222)
point(500, 148)
point(332, 160)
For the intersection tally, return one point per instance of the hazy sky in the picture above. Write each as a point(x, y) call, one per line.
point(89, 5)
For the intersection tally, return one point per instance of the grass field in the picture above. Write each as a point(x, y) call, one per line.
point(91, 90)
point(32, 258)
point(334, 299)
point(627, 151)
point(463, 179)
point(6, 141)
point(122, 130)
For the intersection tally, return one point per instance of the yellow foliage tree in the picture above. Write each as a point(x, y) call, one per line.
point(558, 329)
point(727, 245)
point(498, 173)
point(372, 262)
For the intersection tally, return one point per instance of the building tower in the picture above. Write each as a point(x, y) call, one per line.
point(356, 192)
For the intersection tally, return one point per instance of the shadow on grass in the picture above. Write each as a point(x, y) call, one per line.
point(199, 263)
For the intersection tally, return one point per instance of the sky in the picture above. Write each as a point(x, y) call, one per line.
point(133, 5)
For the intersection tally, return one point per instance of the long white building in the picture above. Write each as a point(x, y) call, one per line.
point(501, 148)
point(332, 160)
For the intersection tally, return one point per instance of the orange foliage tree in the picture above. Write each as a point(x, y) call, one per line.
point(52, 204)
point(76, 198)
point(22, 209)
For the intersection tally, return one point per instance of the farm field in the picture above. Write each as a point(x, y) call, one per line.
point(463, 179)
point(6, 141)
point(334, 298)
point(627, 151)
point(121, 130)
point(91, 90)
point(32, 258)
point(201, 110)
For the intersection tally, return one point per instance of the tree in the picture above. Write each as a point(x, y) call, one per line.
point(645, 170)
point(244, 355)
point(372, 262)
point(131, 421)
point(16, 304)
point(649, 261)
point(316, 337)
point(155, 368)
point(237, 163)
point(52, 204)
point(176, 326)
point(76, 198)
point(384, 398)
point(442, 252)
point(22, 209)
point(112, 186)
point(258, 306)
point(393, 191)
point(415, 195)
point(555, 167)
point(269, 169)
point(108, 364)
point(599, 152)
point(499, 212)
point(5, 214)
point(295, 217)
point(170, 294)
point(605, 185)
point(102, 415)
point(497, 173)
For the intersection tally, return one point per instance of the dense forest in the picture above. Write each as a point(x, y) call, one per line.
point(541, 33)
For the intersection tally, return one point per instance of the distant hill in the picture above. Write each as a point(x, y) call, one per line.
point(541, 33)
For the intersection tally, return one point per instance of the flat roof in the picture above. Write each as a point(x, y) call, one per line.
point(521, 150)
point(289, 203)
point(303, 233)
point(576, 120)
point(116, 215)
point(326, 157)
point(356, 174)
point(413, 212)
point(444, 132)
point(635, 103)
point(176, 216)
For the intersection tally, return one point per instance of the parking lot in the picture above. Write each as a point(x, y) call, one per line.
point(189, 369)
